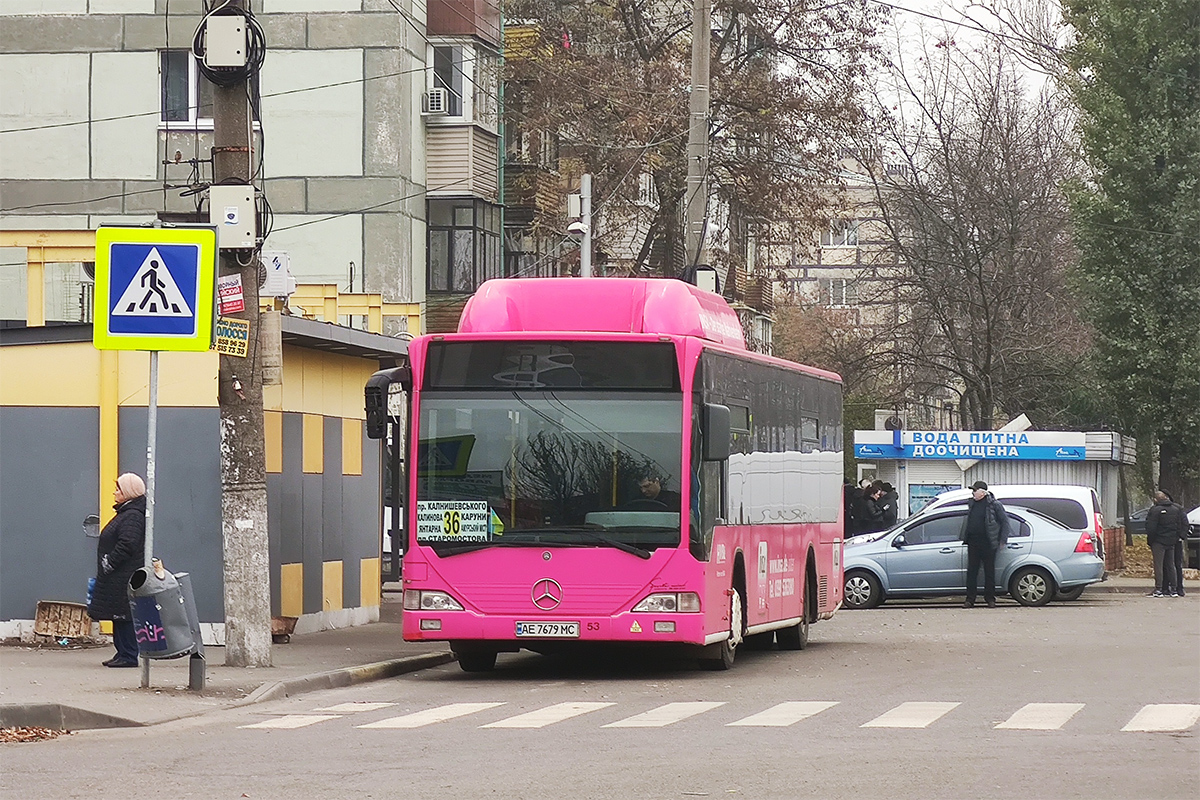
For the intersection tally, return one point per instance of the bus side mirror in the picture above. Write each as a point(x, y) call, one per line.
point(376, 397)
point(716, 432)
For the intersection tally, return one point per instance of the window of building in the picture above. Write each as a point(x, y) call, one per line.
point(841, 233)
point(838, 292)
point(186, 95)
point(448, 74)
point(647, 192)
point(464, 244)
point(470, 74)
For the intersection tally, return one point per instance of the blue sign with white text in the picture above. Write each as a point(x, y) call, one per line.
point(153, 289)
point(1015, 445)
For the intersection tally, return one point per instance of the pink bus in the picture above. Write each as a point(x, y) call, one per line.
point(603, 460)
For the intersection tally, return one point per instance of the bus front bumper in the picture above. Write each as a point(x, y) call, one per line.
point(426, 626)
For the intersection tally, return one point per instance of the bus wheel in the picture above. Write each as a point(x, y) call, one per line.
point(476, 660)
point(727, 650)
point(796, 637)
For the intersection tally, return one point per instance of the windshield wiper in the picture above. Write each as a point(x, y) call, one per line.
point(471, 547)
point(608, 541)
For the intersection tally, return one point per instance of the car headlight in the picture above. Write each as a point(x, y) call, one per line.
point(420, 600)
point(660, 602)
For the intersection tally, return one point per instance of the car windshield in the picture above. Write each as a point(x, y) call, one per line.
point(536, 468)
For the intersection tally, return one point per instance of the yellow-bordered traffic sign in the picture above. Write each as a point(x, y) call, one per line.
point(154, 288)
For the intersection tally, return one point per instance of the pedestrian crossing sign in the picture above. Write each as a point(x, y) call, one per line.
point(154, 288)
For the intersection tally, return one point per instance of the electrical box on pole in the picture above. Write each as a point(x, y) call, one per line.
point(225, 42)
point(231, 209)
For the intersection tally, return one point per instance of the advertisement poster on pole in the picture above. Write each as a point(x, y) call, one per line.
point(229, 294)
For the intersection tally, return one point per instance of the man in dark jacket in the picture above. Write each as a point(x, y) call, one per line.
point(985, 531)
point(889, 505)
point(1165, 524)
point(119, 552)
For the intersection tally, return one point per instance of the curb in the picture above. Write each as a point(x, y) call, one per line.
point(59, 717)
point(347, 676)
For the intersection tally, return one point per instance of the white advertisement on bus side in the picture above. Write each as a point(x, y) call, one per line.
point(452, 521)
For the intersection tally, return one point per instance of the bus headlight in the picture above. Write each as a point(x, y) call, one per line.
point(686, 602)
point(418, 600)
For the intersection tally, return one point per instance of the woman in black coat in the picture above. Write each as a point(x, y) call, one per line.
point(118, 554)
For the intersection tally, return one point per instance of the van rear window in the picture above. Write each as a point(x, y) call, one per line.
point(1066, 512)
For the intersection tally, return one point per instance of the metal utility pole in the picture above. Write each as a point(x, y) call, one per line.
point(585, 216)
point(697, 149)
point(243, 459)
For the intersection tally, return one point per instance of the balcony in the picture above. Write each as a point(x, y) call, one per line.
point(480, 18)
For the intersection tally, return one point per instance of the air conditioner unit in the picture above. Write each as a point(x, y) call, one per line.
point(434, 101)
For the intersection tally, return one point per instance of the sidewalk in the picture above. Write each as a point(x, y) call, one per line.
point(69, 688)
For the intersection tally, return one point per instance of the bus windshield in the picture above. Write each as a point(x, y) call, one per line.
point(538, 468)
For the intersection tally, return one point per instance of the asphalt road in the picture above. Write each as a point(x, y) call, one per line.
point(818, 723)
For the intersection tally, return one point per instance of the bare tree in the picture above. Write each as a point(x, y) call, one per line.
point(980, 233)
point(610, 78)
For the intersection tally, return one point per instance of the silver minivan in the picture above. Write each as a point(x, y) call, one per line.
point(924, 556)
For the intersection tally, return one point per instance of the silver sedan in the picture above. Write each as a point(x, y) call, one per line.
point(925, 557)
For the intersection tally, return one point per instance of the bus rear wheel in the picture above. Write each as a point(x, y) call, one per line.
point(796, 637)
point(727, 650)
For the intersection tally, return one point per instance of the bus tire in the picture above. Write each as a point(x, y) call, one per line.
point(476, 659)
point(726, 651)
point(796, 637)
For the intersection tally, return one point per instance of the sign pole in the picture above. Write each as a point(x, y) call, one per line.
point(151, 447)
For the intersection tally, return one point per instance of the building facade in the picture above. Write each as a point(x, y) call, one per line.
point(106, 119)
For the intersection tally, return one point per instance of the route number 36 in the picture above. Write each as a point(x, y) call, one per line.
point(451, 523)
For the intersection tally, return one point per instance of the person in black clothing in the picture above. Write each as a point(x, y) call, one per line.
point(872, 515)
point(889, 505)
point(119, 552)
point(985, 531)
point(651, 487)
point(851, 500)
point(1165, 525)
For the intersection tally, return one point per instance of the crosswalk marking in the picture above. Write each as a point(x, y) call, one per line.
point(432, 715)
point(547, 716)
point(1041, 716)
point(350, 708)
point(664, 715)
point(911, 715)
point(1164, 717)
point(784, 714)
point(293, 721)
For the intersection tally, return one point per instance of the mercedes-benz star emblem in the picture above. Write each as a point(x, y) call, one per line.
point(547, 594)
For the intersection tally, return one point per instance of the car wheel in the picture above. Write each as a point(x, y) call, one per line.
point(862, 590)
point(727, 650)
point(1067, 595)
point(796, 637)
point(1032, 586)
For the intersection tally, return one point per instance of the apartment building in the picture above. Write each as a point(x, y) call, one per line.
point(106, 119)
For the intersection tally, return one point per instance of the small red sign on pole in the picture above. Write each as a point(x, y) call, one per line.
point(229, 294)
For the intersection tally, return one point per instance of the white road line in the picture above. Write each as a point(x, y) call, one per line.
point(1041, 716)
point(911, 715)
point(784, 714)
point(293, 721)
point(664, 715)
point(1164, 717)
point(350, 708)
point(431, 715)
point(548, 715)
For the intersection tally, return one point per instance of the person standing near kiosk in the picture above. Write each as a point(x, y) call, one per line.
point(985, 531)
